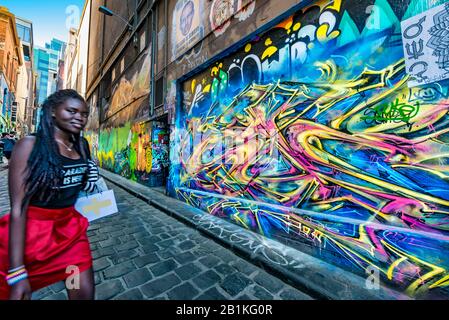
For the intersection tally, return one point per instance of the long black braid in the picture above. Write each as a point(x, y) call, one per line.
point(44, 167)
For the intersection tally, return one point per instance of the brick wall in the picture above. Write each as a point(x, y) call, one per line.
point(9, 59)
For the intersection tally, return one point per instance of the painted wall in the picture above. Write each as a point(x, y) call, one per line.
point(123, 143)
point(309, 134)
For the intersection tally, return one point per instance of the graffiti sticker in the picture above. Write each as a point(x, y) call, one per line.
point(426, 45)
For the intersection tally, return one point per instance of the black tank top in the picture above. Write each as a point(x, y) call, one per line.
point(74, 172)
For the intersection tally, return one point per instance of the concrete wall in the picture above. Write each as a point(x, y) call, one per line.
point(281, 134)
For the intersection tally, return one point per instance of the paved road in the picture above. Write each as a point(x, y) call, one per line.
point(142, 253)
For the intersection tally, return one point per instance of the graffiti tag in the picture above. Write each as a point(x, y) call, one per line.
point(393, 112)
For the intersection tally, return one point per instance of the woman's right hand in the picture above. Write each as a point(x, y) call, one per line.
point(21, 291)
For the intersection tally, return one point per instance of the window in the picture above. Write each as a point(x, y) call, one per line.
point(143, 36)
point(24, 33)
point(26, 52)
point(159, 92)
point(26, 36)
point(21, 32)
point(7, 63)
point(42, 65)
point(142, 44)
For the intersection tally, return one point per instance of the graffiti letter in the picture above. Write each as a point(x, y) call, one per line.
point(229, 143)
point(298, 54)
point(251, 69)
point(419, 29)
point(419, 75)
point(415, 50)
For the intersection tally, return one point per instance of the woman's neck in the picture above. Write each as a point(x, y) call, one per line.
point(62, 135)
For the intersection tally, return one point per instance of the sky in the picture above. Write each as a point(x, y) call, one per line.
point(51, 18)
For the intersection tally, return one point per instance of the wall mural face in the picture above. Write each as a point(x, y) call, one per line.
point(310, 133)
point(187, 28)
point(124, 144)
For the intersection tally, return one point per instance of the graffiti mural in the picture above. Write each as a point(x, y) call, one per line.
point(222, 11)
point(123, 143)
point(187, 28)
point(310, 135)
point(129, 101)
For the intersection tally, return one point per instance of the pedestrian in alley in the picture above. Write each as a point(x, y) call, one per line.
point(12, 136)
point(2, 144)
point(8, 145)
point(43, 240)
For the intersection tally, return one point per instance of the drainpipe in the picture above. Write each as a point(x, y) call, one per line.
point(153, 58)
point(135, 22)
point(101, 72)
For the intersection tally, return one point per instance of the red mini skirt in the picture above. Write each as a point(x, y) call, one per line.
point(55, 240)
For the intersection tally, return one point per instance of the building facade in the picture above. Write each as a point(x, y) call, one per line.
point(76, 54)
point(11, 59)
point(41, 65)
point(126, 133)
point(295, 119)
point(70, 59)
point(26, 97)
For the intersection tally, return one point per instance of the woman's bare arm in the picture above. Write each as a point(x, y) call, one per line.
point(16, 181)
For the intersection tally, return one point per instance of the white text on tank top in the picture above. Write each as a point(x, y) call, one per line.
point(73, 175)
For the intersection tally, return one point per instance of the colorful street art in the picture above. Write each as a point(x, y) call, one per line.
point(310, 134)
point(123, 142)
point(129, 101)
point(222, 11)
point(187, 25)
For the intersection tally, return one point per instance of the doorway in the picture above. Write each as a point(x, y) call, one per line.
point(160, 145)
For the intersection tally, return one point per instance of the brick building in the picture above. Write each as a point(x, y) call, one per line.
point(10, 61)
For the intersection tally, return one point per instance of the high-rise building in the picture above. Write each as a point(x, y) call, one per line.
point(42, 67)
point(56, 49)
point(46, 65)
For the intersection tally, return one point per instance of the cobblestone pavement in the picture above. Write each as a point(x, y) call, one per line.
point(142, 253)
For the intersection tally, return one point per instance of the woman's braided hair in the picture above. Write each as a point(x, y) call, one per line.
point(44, 168)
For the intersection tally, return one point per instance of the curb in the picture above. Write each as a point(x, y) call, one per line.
point(306, 273)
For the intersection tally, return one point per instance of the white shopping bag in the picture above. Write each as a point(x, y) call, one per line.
point(98, 205)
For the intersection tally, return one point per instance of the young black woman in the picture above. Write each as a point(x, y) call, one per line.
point(43, 240)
